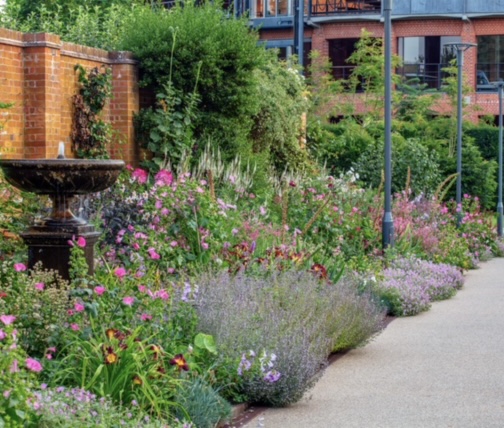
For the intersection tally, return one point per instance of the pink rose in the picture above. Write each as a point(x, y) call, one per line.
point(140, 175)
point(100, 290)
point(7, 319)
point(120, 272)
point(128, 301)
point(19, 267)
point(33, 365)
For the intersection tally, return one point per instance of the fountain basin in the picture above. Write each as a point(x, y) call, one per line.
point(61, 176)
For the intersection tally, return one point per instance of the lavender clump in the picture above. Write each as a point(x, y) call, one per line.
point(289, 312)
point(410, 285)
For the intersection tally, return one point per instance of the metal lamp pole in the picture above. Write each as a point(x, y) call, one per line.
point(388, 221)
point(461, 48)
point(499, 196)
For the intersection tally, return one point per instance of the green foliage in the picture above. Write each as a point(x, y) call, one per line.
point(225, 49)
point(277, 128)
point(338, 146)
point(16, 380)
point(486, 139)
point(90, 134)
point(478, 175)
point(201, 403)
point(97, 24)
point(40, 301)
point(171, 134)
point(411, 162)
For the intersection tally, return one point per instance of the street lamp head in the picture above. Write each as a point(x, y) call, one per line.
point(461, 46)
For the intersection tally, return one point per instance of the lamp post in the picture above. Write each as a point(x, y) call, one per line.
point(388, 222)
point(461, 48)
point(499, 196)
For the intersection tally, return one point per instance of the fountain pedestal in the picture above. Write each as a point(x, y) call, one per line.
point(50, 246)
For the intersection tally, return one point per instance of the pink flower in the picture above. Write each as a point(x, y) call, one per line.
point(7, 393)
point(19, 267)
point(100, 290)
point(49, 356)
point(75, 327)
point(173, 244)
point(153, 255)
point(70, 312)
point(140, 175)
point(81, 241)
point(128, 301)
point(145, 317)
point(170, 270)
point(204, 245)
point(79, 307)
point(262, 210)
point(2, 334)
point(120, 272)
point(142, 288)
point(136, 246)
point(7, 319)
point(14, 368)
point(164, 178)
point(39, 286)
point(33, 365)
point(163, 294)
point(199, 190)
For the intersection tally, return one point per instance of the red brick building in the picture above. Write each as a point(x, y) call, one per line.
point(421, 33)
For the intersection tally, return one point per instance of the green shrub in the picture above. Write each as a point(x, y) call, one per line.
point(486, 139)
point(412, 164)
point(201, 403)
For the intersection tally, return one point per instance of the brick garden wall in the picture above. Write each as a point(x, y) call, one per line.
point(37, 75)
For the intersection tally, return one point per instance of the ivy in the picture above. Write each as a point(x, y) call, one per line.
point(90, 134)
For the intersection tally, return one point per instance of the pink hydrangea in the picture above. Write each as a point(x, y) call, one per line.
point(33, 365)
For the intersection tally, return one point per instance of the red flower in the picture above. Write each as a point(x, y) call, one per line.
point(2, 294)
point(180, 362)
point(319, 270)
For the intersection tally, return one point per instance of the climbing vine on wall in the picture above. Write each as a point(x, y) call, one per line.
point(90, 133)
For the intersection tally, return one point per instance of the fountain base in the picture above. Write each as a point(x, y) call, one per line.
point(49, 244)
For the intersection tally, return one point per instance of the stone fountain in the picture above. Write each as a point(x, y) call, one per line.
point(62, 180)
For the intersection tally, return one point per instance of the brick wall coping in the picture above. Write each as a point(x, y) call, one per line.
point(47, 40)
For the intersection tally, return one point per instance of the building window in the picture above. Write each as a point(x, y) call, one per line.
point(425, 57)
point(491, 57)
point(271, 8)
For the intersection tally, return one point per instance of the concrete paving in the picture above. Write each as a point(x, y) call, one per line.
point(442, 368)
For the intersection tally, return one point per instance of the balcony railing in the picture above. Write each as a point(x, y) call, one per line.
point(431, 76)
point(332, 7)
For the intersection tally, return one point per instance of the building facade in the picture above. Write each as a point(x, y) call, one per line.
point(422, 31)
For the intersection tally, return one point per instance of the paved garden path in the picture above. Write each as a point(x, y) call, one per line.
point(443, 368)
